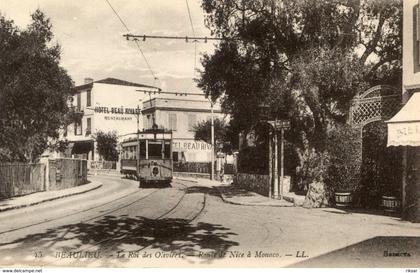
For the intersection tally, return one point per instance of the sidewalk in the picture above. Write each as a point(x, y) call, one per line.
point(233, 195)
point(40, 197)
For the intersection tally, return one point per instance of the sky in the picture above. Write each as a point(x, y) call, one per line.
point(92, 44)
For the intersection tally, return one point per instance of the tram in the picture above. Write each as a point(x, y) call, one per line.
point(147, 157)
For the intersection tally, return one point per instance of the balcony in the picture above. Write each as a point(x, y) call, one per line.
point(76, 109)
point(75, 114)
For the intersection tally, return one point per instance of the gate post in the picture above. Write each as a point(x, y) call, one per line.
point(46, 162)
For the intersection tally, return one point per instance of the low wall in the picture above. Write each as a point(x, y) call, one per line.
point(54, 174)
point(194, 175)
point(192, 167)
point(21, 178)
point(102, 165)
point(67, 173)
point(258, 183)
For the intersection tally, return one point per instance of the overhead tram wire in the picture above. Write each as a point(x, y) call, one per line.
point(195, 41)
point(135, 40)
point(186, 38)
point(171, 93)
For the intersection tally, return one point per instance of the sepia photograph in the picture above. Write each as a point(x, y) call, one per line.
point(141, 134)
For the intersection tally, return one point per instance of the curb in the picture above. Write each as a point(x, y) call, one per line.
point(296, 202)
point(105, 174)
point(98, 185)
point(185, 179)
point(252, 204)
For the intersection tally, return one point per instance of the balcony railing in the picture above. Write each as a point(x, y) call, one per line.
point(77, 109)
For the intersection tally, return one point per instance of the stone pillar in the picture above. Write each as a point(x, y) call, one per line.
point(276, 165)
point(46, 161)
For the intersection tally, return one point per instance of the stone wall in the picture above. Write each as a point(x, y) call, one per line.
point(21, 178)
point(66, 173)
point(258, 183)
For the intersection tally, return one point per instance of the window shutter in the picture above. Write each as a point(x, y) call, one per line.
point(79, 101)
point(172, 121)
point(191, 121)
point(88, 98)
point(417, 43)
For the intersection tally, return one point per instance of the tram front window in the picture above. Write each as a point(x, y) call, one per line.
point(167, 152)
point(155, 149)
point(142, 149)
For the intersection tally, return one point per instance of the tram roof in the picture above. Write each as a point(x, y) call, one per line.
point(149, 134)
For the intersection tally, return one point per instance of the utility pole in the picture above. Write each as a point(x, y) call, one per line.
point(270, 163)
point(212, 140)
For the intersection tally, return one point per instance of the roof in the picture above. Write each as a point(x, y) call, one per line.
point(111, 81)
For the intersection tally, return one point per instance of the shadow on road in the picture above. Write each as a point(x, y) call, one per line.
point(381, 251)
point(378, 212)
point(112, 234)
point(204, 190)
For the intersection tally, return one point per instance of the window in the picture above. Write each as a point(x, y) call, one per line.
point(88, 98)
point(142, 148)
point(133, 152)
point(416, 38)
point(175, 156)
point(78, 127)
point(167, 151)
point(88, 126)
point(172, 122)
point(155, 149)
point(192, 119)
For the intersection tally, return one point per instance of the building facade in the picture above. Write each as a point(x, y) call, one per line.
point(106, 105)
point(181, 115)
point(404, 127)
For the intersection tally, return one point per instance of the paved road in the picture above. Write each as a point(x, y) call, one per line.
point(188, 224)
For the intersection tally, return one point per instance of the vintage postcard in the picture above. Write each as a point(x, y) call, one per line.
point(209, 133)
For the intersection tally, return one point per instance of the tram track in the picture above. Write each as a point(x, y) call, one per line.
point(90, 209)
point(86, 210)
point(108, 242)
point(161, 216)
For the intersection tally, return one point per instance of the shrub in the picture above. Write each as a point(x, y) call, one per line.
point(107, 145)
point(344, 149)
point(311, 169)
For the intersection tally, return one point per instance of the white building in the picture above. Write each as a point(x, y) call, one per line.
point(104, 105)
point(181, 115)
point(124, 107)
point(404, 127)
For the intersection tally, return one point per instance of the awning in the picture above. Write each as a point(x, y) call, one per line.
point(404, 127)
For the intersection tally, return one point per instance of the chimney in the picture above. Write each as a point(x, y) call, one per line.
point(88, 80)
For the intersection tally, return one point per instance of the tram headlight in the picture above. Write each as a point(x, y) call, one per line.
point(155, 171)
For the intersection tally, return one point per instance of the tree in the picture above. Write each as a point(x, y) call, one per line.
point(221, 133)
point(306, 59)
point(203, 130)
point(107, 145)
point(34, 89)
